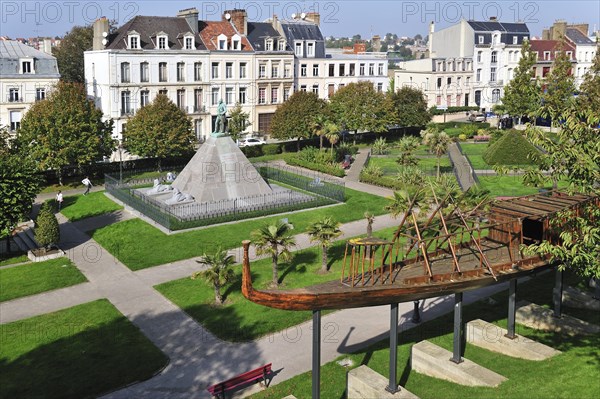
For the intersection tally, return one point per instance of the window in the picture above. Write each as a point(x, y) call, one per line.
point(458, 100)
point(362, 70)
point(164, 92)
point(380, 70)
point(510, 74)
point(229, 95)
point(303, 70)
point(229, 70)
point(449, 81)
point(13, 95)
point(352, 71)
point(242, 95)
point(15, 120)
point(315, 70)
point(515, 39)
point(546, 71)
point(330, 90)
point(162, 71)
point(274, 95)
point(380, 87)
point(281, 45)
point(197, 71)
point(287, 71)
point(144, 72)
point(125, 103)
point(315, 89)
point(262, 95)
point(546, 55)
point(162, 43)
point(331, 70)
point(468, 81)
point(215, 70)
point(494, 57)
point(134, 42)
point(286, 93)
point(26, 67)
point(458, 81)
point(189, 43)
point(180, 71)
point(449, 100)
point(298, 50)
point(438, 100)
point(262, 71)
point(303, 88)
point(198, 100)
point(236, 42)
point(125, 76)
point(310, 49)
point(181, 100)
point(479, 56)
point(274, 71)
point(480, 39)
point(492, 74)
point(371, 69)
point(144, 98)
point(570, 55)
point(478, 76)
point(495, 95)
point(342, 68)
point(214, 96)
point(439, 83)
point(269, 45)
point(242, 70)
point(222, 42)
point(40, 94)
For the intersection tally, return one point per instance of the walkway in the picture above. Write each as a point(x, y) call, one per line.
point(352, 178)
point(462, 167)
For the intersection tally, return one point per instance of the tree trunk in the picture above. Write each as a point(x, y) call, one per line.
point(438, 167)
point(324, 259)
point(369, 229)
point(321, 143)
point(60, 179)
point(218, 296)
point(331, 148)
point(275, 276)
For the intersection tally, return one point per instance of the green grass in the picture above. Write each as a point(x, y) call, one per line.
point(80, 352)
point(133, 241)
point(422, 150)
point(475, 154)
point(512, 148)
point(390, 166)
point(505, 185)
point(13, 260)
point(30, 279)
point(572, 374)
point(79, 207)
point(242, 320)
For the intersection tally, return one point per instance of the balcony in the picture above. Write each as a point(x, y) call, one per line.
point(14, 99)
point(496, 82)
point(199, 109)
point(127, 112)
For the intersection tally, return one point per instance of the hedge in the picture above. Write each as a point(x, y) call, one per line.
point(450, 110)
point(327, 169)
point(382, 181)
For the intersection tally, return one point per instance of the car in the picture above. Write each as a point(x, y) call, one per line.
point(477, 118)
point(251, 142)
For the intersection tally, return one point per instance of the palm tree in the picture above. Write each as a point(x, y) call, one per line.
point(438, 143)
point(318, 127)
point(407, 146)
point(402, 200)
point(332, 133)
point(324, 231)
point(219, 271)
point(270, 239)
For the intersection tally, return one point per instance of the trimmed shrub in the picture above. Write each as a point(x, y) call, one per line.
point(271, 149)
point(382, 181)
point(333, 170)
point(47, 232)
point(372, 170)
point(511, 149)
point(462, 137)
point(380, 147)
point(253, 151)
point(411, 175)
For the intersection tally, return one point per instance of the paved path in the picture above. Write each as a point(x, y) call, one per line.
point(66, 193)
point(462, 167)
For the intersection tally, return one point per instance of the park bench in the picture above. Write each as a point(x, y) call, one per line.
point(481, 138)
point(252, 376)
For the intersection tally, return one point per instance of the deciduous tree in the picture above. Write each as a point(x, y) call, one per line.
point(238, 122)
point(522, 94)
point(69, 54)
point(559, 88)
point(411, 107)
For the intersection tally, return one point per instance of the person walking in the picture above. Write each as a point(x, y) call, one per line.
point(88, 184)
point(59, 199)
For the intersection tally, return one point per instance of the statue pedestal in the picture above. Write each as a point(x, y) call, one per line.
point(218, 134)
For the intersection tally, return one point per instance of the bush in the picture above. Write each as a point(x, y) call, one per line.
point(511, 149)
point(381, 181)
point(372, 170)
point(343, 149)
point(271, 149)
point(462, 137)
point(411, 175)
point(47, 232)
point(469, 129)
point(253, 151)
point(450, 110)
point(380, 147)
point(334, 170)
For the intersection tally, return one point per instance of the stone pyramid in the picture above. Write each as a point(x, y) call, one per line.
point(220, 171)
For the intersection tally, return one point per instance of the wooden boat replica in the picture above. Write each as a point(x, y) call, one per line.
point(447, 251)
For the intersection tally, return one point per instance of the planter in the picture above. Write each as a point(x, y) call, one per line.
point(41, 255)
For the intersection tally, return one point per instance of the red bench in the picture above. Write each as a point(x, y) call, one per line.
point(248, 377)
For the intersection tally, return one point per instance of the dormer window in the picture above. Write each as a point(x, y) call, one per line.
point(515, 39)
point(570, 55)
point(236, 42)
point(480, 38)
point(189, 42)
point(546, 55)
point(133, 40)
point(281, 45)
point(310, 49)
point(269, 45)
point(222, 42)
point(162, 41)
point(27, 66)
point(298, 49)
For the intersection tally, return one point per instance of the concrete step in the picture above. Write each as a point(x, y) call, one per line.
point(30, 233)
point(27, 240)
point(22, 245)
point(540, 318)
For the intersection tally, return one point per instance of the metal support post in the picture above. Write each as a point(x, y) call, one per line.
point(458, 329)
point(512, 298)
point(393, 384)
point(416, 317)
point(558, 293)
point(316, 355)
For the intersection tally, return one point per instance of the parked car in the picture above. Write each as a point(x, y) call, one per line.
point(477, 118)
point(251, 142)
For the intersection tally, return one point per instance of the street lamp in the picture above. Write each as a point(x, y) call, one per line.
point(120, 163)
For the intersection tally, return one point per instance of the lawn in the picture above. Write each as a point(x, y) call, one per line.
point(242, 320)
point(30, 279)
point(422, 150)
point(572, 374)
point(5, 260)
point(475, 154)
point(133, 241)
point(79, 207)
point(80, 352)
point(510, 186)
point(428, 165)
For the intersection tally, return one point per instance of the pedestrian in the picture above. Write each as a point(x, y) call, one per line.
point(88, 184)
point(59, 199)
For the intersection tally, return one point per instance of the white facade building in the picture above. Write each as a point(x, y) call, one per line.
point(26, 76)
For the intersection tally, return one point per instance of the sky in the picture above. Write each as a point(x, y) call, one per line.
point(338, 18)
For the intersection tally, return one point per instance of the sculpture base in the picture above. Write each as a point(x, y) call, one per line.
point(218, 134)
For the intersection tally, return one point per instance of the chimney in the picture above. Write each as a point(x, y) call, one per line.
point(47, 46)
point(376, 43)
point(313, 17)
point(546, 34)
point(100, 34)
point(359, 48)
point(191, 17)
point(239, 20)
point(431, 32)
point(275, 22)
point(559, 30)
point(493, 19)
